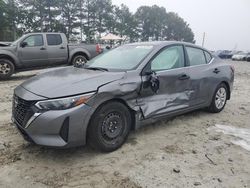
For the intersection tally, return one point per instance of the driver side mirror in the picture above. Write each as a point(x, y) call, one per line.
point(24, 44)
point(152, 80)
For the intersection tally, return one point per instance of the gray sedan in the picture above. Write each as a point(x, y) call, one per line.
point(119, 91)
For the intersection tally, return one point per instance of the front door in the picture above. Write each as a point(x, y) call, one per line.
point(166, 83)
point(32, 51)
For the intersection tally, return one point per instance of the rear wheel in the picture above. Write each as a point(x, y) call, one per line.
point(219, 99)
point(7, 68)
point(109, 127)
point(79, 60)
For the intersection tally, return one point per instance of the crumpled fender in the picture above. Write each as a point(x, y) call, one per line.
point(121, 89)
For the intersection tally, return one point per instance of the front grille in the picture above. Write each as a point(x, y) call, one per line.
point(22, 110)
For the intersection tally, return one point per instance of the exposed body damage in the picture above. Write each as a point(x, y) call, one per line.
point(148, 94)
point(161, 104)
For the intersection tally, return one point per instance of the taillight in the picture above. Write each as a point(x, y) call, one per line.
point(98, 49)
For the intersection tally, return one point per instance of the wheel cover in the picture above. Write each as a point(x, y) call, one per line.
point(4, 68)
point(79, 61)
point(220, 98)
point(112, 126)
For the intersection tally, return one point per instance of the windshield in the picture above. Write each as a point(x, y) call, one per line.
point(125, 57)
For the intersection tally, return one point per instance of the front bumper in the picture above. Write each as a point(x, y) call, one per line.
point(64, 128)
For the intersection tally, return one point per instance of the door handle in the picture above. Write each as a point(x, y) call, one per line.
point(216, 71)
point(62, 47)
point(184, 77)
point(42, 48)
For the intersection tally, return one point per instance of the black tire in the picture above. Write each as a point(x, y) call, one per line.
point(79, 60)
point(109, 127)
point(214, 107)
point(7, 68)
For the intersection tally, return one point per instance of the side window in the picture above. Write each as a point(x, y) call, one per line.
point(196, 56)
point(54, 39)
point(169, 58)
point(208, 56)
point(34, 40)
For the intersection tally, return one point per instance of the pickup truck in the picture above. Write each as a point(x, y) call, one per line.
point(43, 49)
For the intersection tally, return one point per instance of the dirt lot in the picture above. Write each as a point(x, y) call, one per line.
point(183, 152)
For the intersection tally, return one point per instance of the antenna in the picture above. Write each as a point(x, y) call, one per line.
point(235, 47)
point(203, 39)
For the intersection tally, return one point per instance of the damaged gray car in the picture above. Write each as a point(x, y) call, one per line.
point(119, 91)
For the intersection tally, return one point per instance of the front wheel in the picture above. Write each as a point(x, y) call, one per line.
point(7, 68)
point(219, 99)
point(109, 127)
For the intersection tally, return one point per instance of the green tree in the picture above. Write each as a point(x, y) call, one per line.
point(9, 19)
point(154, 22)
point(51, 13)
point(3, 19)
point(126, 24)
point(143, 17)
point(69, 17)
point(87, 19)
point(103, 13)
point(178, 29)
point(39, 15)
point(35, 10)
point(90, 19)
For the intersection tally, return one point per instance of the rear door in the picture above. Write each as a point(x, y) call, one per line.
point(34, 53)
point(201, 74)
point(57, 48)
point(168, 88)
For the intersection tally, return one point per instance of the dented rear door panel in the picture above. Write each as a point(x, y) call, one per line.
point(200, 82)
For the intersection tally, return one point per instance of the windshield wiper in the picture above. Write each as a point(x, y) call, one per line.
point(97, 68)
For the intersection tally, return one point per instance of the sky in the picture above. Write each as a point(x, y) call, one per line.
point(226, 23)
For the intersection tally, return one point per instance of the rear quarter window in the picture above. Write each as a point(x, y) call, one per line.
point(54, 39)
point(208, 56)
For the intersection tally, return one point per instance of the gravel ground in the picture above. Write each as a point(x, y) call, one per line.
point(183, 152)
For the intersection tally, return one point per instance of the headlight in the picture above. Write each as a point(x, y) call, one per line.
point(63, 103)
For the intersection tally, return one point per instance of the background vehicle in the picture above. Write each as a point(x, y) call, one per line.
point(242, 56)
point(43, 49)
point(120, 90)
point(224, 54)
point(248, 58)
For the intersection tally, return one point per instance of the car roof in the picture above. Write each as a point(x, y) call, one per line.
point(36, 33)
point(165, 43)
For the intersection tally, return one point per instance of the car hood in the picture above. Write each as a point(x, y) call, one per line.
point(3, 45)
point(69, 81)
point(7, 47)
